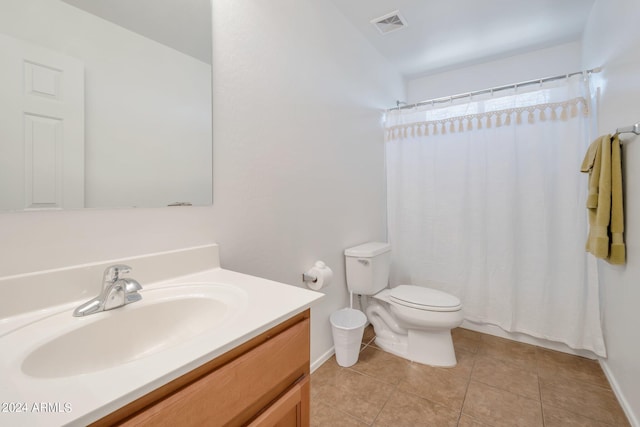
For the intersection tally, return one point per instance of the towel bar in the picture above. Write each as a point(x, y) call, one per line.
point(629, 129)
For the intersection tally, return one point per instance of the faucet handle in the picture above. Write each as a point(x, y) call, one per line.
point(131, 286)
point(113, 272)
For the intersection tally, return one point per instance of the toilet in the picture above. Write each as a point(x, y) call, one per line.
point(413, 322)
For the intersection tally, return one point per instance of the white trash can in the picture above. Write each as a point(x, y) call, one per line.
point(347, 326)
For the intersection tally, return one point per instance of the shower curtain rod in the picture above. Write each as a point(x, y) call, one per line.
point(443, 99)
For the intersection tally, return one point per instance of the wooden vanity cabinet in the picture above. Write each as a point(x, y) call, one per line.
point(263, 382)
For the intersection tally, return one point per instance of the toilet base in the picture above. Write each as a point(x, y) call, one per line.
point(428, 348)
point(433, 348)
point(399, 346)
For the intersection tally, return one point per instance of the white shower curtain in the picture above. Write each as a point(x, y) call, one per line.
point(486, 201)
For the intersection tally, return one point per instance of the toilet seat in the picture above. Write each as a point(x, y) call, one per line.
point(422, 298)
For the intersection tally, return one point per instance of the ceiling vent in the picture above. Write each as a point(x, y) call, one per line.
point(390, 22)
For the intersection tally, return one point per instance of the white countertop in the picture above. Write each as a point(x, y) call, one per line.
point(84, 398)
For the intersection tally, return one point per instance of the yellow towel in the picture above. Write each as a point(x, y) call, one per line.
point(617, 252)
point(606, 215)
point(591, 164)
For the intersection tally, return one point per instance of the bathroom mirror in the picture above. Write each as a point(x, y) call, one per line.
point(105, 103)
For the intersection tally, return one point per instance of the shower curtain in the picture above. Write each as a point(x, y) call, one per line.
point(486, 201)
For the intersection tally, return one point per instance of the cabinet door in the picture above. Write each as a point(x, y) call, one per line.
point(234, 393)
point(291, 410)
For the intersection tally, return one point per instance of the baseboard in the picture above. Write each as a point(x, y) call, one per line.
point(320, 360)
point(524, 338)
point(633, 419)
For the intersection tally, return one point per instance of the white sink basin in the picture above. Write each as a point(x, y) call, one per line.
point(164, 318)
point(102, 362)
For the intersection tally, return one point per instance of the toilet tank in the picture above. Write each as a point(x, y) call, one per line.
point(367, 267)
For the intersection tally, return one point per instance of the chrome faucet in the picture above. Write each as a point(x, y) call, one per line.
point(116, 292)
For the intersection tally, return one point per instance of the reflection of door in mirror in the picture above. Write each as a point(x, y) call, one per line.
point(42, 152)
point(147, 101)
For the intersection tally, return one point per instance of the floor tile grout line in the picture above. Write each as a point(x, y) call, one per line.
point(374, 378)
point(511, 391)
point(506, 391)
point(583, 381)
point(347, 414)
point(539, 387)
point(589, 383)
point(565, 409)
point(411, 393)
point(395, 388)
point(582, 415)
point(466, 390)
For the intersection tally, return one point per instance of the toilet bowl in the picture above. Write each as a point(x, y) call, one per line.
point(412, 322)
point(413, 330)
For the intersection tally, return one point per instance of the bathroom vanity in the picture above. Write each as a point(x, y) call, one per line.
point(204, 346)
point(263, 382)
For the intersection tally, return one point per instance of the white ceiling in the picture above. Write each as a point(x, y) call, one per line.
point(441, 34)
point(184, 25)
point(447, 34)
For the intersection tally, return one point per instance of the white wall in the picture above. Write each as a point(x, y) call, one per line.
point(547, 62)
point(143, 101)
point(298, 160)
point(298, 145)
point(612, 40)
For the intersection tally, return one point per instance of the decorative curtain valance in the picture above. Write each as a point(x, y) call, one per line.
point(549, 111)
point(548, 102)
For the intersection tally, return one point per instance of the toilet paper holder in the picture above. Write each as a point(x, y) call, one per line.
point(306, 278)
point(317, 276)
point(309, 276)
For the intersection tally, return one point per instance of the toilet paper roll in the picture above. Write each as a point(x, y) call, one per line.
point(322, 274)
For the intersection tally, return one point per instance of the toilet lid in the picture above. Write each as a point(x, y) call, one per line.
point(424, 298)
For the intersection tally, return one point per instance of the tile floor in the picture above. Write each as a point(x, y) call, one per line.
point(497, 383)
